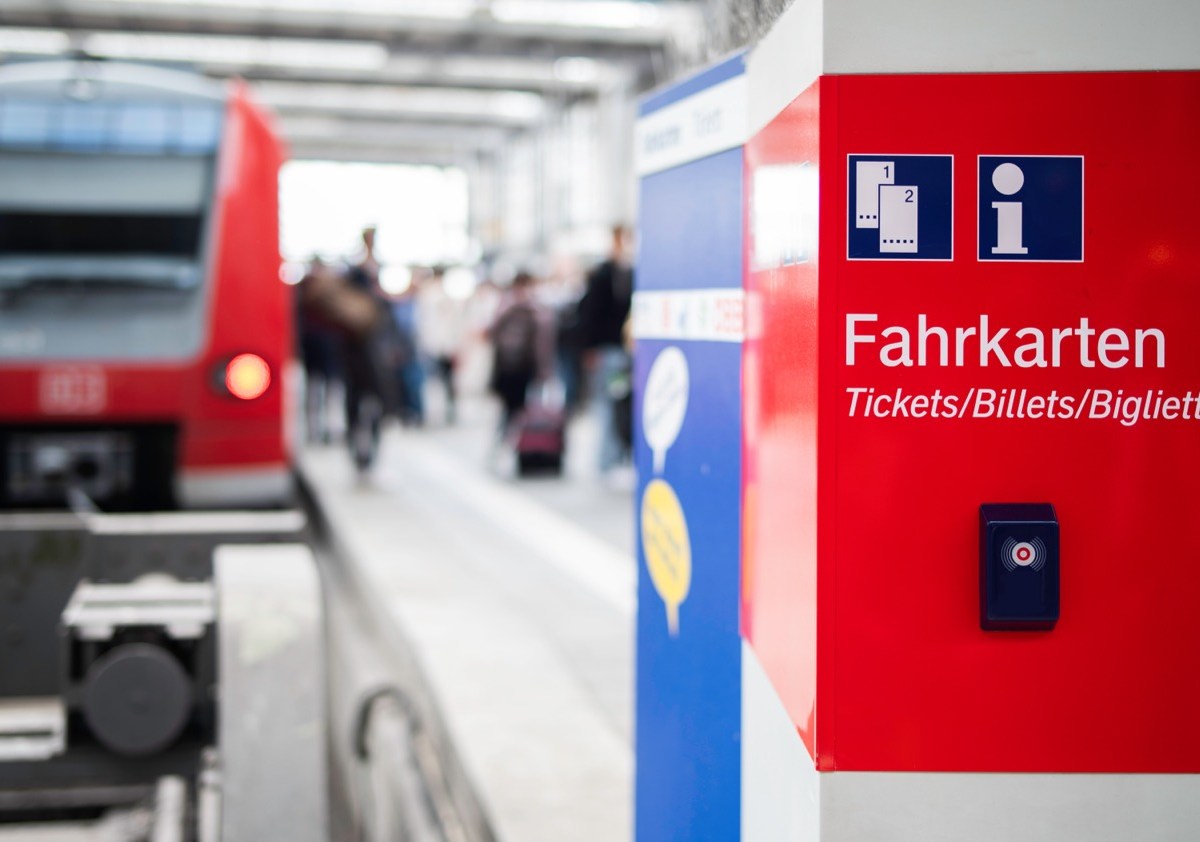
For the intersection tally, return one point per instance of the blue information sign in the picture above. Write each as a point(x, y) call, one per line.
point(1031, 208)
point(687, 445)
point(900, 207)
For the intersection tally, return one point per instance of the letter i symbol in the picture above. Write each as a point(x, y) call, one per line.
point(1008, 179)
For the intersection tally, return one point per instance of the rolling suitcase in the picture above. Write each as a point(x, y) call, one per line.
point(541, 439)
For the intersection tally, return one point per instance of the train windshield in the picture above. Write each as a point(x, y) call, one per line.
point(110, 192)
point(104, 218)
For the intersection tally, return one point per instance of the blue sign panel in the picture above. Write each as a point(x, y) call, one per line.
point(1031, 208)
point(688, 729)
point(900, 207)
point(687, 446)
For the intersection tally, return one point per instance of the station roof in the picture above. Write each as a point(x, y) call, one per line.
point(425, 81)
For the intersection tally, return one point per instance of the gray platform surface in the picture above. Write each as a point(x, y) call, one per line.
point(517, 599)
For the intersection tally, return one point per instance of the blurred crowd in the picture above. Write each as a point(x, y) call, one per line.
point(546, 350)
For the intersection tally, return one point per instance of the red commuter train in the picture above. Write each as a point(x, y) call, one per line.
point(144, 328)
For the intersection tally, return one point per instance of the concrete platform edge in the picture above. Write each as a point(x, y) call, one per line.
point(468, 803)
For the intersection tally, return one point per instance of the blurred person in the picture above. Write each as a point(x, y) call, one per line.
point(410, 373)
point(474, 369)
point(368, 387)
point(562, 294)
point(621, 391)
point(357, 315)
point(320, 351)
point(603, 310)
point(522, 344)
point(440, 328)
point(569, 353)
point(484, 303)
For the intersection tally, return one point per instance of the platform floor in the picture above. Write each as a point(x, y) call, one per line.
point(516, 597)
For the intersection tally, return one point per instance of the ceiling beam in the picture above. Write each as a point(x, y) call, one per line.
point(398, 139)
point(509, 109)
point(303, 128)
point(409, 34)
point(378, 154)
point(313, 60)
point(423, 73)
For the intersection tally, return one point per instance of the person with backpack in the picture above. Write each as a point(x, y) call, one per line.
point(521, 336)
point(368, 340)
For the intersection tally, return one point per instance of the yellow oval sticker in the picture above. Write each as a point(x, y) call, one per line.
point(667, 548)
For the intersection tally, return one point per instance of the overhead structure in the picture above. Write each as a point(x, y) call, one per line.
point(436, 81)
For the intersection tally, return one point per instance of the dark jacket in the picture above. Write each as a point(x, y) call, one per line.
point(605, 304)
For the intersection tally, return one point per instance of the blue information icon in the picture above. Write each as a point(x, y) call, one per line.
point(900, 207)
point(1031, 208)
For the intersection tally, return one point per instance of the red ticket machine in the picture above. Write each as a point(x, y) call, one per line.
point(972, 424)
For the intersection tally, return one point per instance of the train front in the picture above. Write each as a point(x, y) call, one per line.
point(143, 326)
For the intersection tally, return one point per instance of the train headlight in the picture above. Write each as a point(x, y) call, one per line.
point(247, 376)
